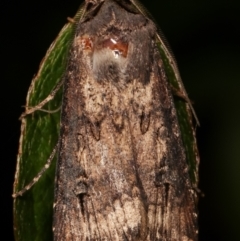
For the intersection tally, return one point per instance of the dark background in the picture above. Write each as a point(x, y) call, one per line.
point(205, 37)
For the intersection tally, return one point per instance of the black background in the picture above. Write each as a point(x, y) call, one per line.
point(205, 37)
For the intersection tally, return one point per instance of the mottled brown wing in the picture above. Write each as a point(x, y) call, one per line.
point(122, 172)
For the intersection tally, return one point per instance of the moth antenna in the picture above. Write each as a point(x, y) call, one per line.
point(38, 176)
point(51, 111)
point(30, 110)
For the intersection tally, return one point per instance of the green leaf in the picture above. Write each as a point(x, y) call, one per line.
point(39, 135)
point(184, 113)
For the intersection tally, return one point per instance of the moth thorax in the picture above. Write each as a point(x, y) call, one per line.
point(108, 56)
point(118, 48)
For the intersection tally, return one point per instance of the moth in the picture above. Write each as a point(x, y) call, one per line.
point(124, 169)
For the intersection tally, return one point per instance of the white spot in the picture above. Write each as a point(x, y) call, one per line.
point(114, 41)
point(116, 53)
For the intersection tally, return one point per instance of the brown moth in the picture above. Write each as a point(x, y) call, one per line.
point(122, 172)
